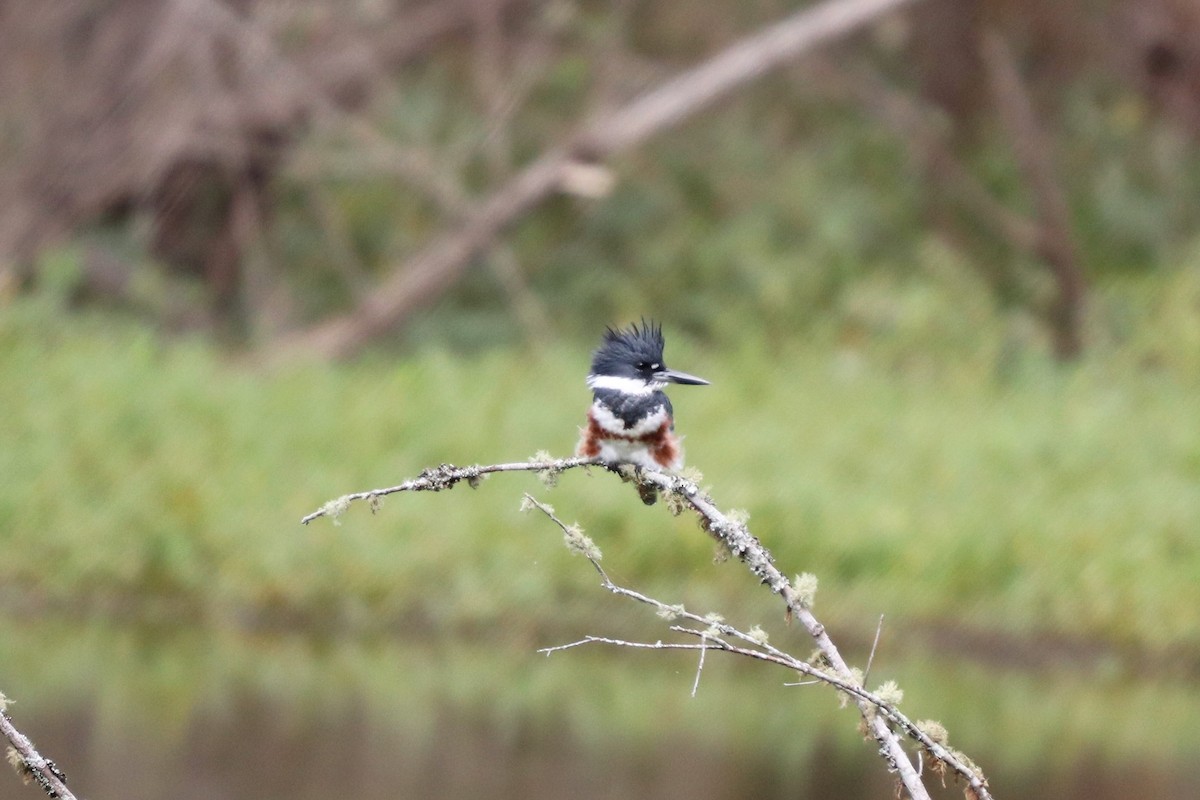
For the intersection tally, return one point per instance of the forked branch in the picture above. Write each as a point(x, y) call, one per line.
point(882, 720)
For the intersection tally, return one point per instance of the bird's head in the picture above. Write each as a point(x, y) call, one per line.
point(631, 360)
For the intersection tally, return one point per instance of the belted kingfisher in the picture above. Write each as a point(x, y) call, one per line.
point(631, 419)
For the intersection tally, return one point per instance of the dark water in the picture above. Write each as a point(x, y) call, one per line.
point(253, 753)
point(135, 717)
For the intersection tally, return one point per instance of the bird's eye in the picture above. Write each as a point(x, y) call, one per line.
point(643, 365)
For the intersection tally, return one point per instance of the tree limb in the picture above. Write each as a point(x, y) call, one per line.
point(682, 494)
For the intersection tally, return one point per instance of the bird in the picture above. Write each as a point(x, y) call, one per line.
point(631, 420)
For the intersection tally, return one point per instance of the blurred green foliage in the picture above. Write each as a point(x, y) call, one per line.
point(954, 480)
point(882, 406)
point(772, 207)
point(916, 451)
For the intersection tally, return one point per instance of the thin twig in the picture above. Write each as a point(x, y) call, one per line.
point(700, 664)
point(766, 652)
point(871, 657)
point(446, 476)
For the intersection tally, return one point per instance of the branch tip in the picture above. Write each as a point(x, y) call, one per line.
point(881, 719)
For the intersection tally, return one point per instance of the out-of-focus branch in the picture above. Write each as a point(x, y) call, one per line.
point(439, 265)
point(881, 719)
point(29, 763)
point(1033, 151)
point(447, 476)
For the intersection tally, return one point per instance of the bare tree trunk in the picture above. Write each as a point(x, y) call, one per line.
point(1056, 244)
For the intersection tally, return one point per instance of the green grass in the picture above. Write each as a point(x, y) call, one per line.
point(142, 478)
point(952, 482)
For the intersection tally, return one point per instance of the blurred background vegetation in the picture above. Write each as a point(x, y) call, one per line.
point(944, 276)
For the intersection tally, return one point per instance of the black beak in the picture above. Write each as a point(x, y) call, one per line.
point(671, 376)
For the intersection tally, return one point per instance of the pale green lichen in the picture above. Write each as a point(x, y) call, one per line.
point(529, 504)
point(890, 693)
point(757, 635)
point(935, 730)
point(805, 585)
point(578, 542)
point(548, 476)
point(18, 763)
point(738, 516)
point(715, 623)
point(676, 503)
point(670, 612)
point(856, 678)
point(336, 507)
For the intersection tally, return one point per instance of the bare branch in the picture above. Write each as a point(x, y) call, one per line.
point(760, 649)
point(31, 765)
point(881, 718)
point(739, 64)
point(447, 476)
